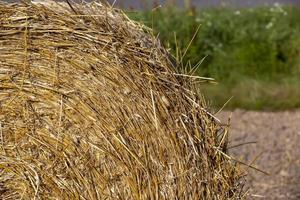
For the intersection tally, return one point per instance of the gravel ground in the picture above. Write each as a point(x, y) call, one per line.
point(276, 151)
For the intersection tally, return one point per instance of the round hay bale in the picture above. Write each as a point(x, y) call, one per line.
point(91, 108)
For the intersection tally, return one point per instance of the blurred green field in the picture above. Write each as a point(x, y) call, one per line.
point(253, 53)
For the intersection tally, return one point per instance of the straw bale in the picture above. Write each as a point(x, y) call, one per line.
point(91, 108)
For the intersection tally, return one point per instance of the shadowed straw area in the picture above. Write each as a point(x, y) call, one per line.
point(91, 108)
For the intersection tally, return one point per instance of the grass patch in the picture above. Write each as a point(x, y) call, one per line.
point(255, 95)
point(253, 53)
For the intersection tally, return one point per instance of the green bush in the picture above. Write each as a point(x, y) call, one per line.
point(240, 47)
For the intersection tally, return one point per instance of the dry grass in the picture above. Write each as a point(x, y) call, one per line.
point(91, 108)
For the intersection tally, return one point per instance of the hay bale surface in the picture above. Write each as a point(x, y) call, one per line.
point(91, 108)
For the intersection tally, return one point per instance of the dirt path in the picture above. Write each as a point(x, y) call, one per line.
point(277, 151)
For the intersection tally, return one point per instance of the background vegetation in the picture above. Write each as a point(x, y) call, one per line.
point(253, 53)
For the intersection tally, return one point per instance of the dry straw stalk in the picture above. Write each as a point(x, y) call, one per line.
point(91, 108)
